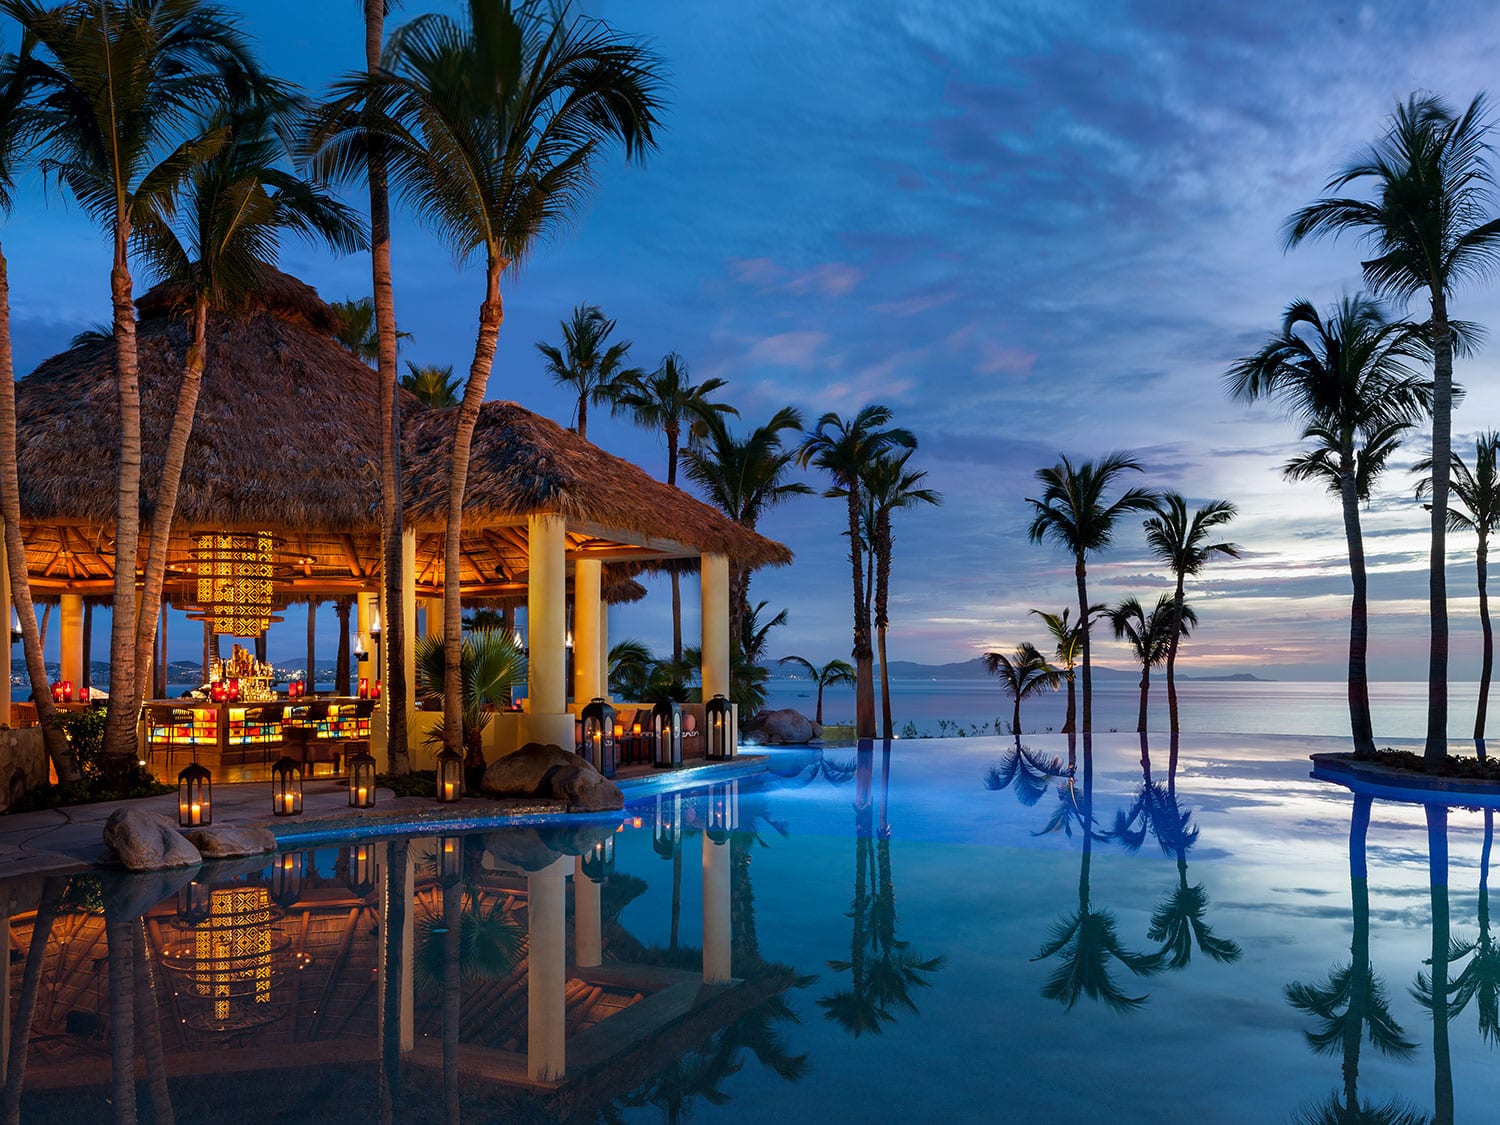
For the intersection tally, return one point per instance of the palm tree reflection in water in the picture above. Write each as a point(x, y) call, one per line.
point(883, 969)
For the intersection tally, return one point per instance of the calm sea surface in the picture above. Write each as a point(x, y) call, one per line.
point(1399, 708)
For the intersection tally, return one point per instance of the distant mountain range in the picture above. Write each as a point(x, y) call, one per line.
point(974, 670)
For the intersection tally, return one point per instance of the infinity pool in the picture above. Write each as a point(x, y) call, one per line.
point(943, 930)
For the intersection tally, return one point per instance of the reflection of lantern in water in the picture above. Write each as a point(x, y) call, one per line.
point(361, 875)
point(599, 861)
point(230, 960)
point(193, 903)
point(450, 856)
point(723, 810)
point(666, 833)
point(286, 879)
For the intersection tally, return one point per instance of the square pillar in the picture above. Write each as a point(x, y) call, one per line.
point(70, 635)
point(409, 616)
point(547, 719)
point(604, 648)
point(717, 960)
point(587, 577)
point(547, 976)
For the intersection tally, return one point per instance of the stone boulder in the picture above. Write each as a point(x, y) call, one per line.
point(230, 843)
point(551, 773)
point(147, 841)
point(786, 727)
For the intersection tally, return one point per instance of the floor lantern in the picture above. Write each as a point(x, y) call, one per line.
point(195, 788)
point(450, 776)
point(666, 733)
point(286, 787)
point(599, 736)
point(362, 781)
point(718, 716)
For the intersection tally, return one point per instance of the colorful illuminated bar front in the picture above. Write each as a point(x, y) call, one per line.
point(202, 724)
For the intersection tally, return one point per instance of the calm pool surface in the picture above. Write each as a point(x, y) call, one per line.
point(930, 932)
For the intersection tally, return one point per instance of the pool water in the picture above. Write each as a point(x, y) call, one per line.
point(934, 931)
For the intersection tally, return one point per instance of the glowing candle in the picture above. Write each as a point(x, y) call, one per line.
point(197, 812)
point(448, 793)
point(361, 794)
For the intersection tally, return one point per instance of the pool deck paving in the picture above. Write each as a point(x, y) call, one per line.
point(62, 840)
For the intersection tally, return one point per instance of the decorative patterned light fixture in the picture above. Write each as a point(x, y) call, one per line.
point(236, 581)
point(231, 959)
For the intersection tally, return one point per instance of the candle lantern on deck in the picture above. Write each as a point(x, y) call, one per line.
point(599, 736)
point(194, 903)
point(450, 857)
point(287, 871)
point(450, 776)
point(666, 734)
point(362, 780)
point(666, 833)
point(599, 861)
point(286, 787)
point(359, 874)
point(723, 810)
point(194, 797)
point(718, 716)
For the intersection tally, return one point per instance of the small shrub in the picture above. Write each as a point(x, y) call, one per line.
point(418, 783)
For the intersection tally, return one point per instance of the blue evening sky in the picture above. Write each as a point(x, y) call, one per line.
point(1028, 227)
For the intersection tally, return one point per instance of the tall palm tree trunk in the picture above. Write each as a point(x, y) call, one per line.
point(1437, 578)
point(452, 996)
point(312, 645)
point(341, 607)
point(1015, 714)
point(818, 715)
point(676, 578)
point(864, 684)
point(1359, 968)
point(491, 315)
point(119, 935)
point(59, 750)
point(885, 685)
point(166, 510)
point(583, 416)
point(1442, 1069)
point(881, 549)
point(150, 1022)
point(1487, 662)
point(1070, 719)
point(1359, 619)
point(392, 563)
point(1080, 576)
point(31, 979)
point(1140, 722)
point(119, 729)
point(1172, 642)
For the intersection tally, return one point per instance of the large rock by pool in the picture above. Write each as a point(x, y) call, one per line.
point(147, 841)
point(551, 772)
point(786, 727)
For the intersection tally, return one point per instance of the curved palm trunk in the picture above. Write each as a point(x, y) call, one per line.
point(1359, 618)
point(1172, 643)
point(1080, 576)
point(394, 904)
point(452, 996)
point(882, 550)
point(1359, 948)
point(150, 1017)
point(491, 314)
point(864, 685)
point(1140, 722)
point(166, 509)
point(341, 609)
point(1442, 1069)
point(390, 423)
point(818, 717)
point(119, 728)
point(1070, 720)
point(1145, 756)
point(1015, 715)
point(31, 979)
point(671, 432)
point(120, 937)
point(1437, 579)
point(59, 750)
point(1487, 662)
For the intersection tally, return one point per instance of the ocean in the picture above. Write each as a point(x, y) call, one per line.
point(1399, 709)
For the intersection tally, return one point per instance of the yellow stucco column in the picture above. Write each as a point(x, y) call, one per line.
point(10, 615)
point(547, 720)
point(588, 930)
point(587, 574)
point(716, 930)
point(432, 617)
point(714, 584)
point(604, 648)
point(546, 976)
point(409, 615)
point(70, 634)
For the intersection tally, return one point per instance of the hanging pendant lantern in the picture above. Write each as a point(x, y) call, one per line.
point(194, 797)
point(236, 573)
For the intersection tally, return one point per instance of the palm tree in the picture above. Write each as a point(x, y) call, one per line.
point(744, 479)
point(828, 675)
point(114, 84)
point(889, 486)
point(14, 121)
point(214, 252)
point(845, 450)
point(1480, 978)
point(665, 400)
point(433, 386)
point(1347, 374)
point(1149, 636)
point(1352, 1002)
point(1023, 673)
point(493, 664)
point(1025, 772)
point(492, 127)
point(587, 364)
point(1069, 641)
point(356, 333)
point(1180, 540)
point(1475, 507)
point(1430, 228)
point(1072, 513)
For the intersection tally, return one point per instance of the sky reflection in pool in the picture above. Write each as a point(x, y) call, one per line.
point(1237, 942)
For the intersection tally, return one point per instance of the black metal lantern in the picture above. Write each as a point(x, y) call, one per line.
point(362, 780)
point(666, 833)
point(666, 734)
point(195, 787)
point(450, 776)
point(718, 717)
point(723, 810)
point(599, 736)
point(599, 861)
point(286, 787)
point(360, 876)
point(450, 860)
point(194, 903)
point(287, 870)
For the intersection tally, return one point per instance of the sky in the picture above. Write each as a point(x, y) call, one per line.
point(1030, 228)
